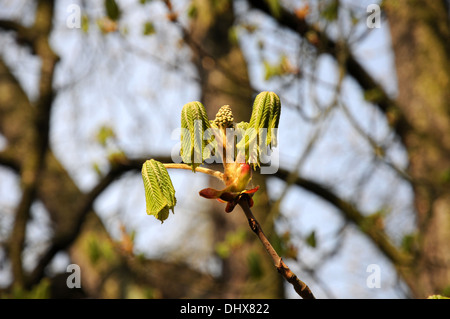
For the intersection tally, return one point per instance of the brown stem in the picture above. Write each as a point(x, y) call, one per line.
point(300, 287)
point(204, 170)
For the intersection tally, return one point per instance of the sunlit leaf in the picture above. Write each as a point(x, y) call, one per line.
point(266, 115)
point(159, 191)
point(261, 130)
point(437, 297)
point(194, 123)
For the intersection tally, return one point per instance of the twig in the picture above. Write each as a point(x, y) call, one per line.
point(300, 287)
point(216, 174)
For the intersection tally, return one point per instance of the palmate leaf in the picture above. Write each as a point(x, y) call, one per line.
point(194, 122)
point(159, 191)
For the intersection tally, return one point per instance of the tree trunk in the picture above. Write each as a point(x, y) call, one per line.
point(420, 34)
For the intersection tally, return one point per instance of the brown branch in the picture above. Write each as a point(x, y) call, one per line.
point(377, 235)
point(8, 159)
point(24, 35)
point(300, 287)
point(33, 165)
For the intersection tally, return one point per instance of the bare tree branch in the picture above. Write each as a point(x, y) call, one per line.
point(379, 237)
point(32, 166)
point(325, 44)
point(300, 287)
point(24, 35)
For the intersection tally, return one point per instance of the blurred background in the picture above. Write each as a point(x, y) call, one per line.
point(360, 204)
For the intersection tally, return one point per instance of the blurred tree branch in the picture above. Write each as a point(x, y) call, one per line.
point(38, 142)
point(25, 127)
point(350, 212)
point(325, 44)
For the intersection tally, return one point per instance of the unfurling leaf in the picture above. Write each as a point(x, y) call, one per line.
point(159, 191)
point(266, 115)
point(261, 130)
point(194, 122)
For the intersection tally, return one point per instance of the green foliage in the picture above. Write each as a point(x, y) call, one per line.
point(149, 28)
point(233, 240)
point(373, 95)
point(192, 11)
point(233, 36)
point(242, 125)
point(266, 116)
point(194, 122)
point(311, 239)
point(330, 11)
point(281, 68)
point(116, 157)
point(410, 243)
point(112, 10)
point(40, 291)
point(283, 245)
point(445, 176)
point(104, 134)
point(275, 7)
point(99, 251)
point(84, 23)
point(254, 265)
point(446, 291)
point(159, 191)
point(437, 297)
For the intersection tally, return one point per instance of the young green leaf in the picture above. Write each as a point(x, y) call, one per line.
point(159, 191)
point(260, 130)
point(194, 122)
point(266, 115)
